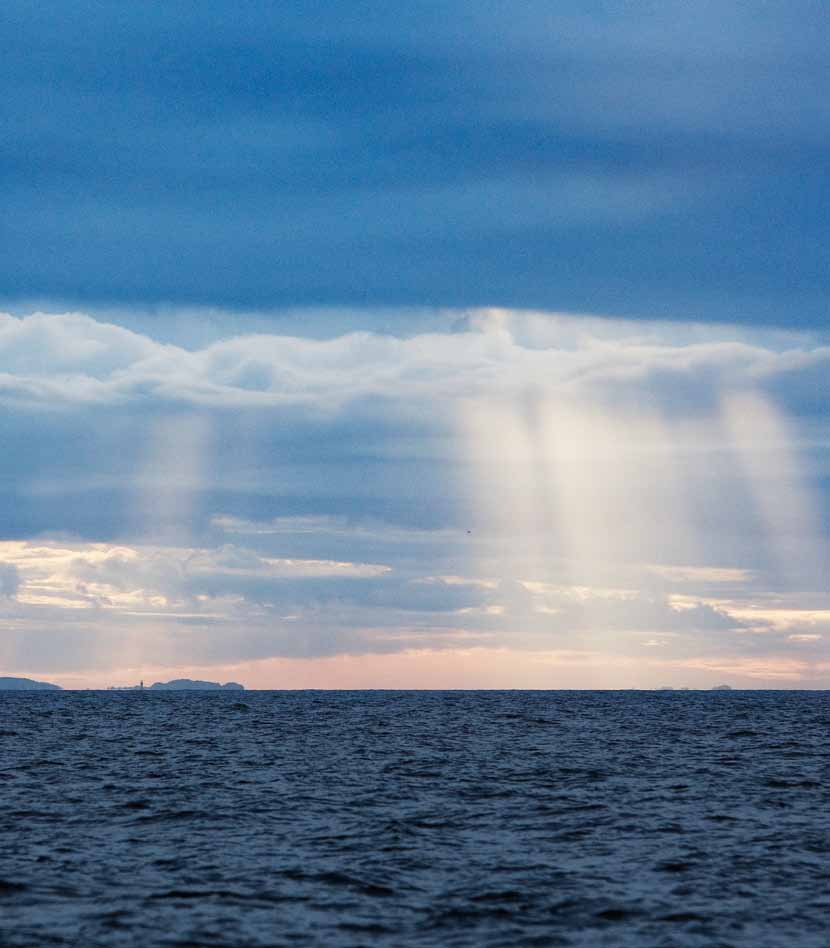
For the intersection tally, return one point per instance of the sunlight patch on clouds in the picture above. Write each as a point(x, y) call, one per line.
point(139, 580)
point(543, 483)
point(459, 581)
point(701, 574)
point(782, 618)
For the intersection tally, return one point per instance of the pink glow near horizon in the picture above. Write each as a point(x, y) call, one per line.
point(480, 668)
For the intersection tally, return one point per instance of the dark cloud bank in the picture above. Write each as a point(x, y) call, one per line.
point(659, 160)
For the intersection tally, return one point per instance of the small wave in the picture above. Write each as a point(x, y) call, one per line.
point(172, 816)
point(508, 895)
point(11, 888)
point(674, 867)
point(226, 895)
point(341, 880)
point(618, 913)
point(682, 917)
point(367, 928)
point(136, 805)
point(781, 784)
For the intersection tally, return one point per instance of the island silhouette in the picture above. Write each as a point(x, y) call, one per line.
point(188, 684)
point(181, 684)
point(26, 684)
point(177, 684)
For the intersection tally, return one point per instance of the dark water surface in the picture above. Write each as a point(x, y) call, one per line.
point(415, 818)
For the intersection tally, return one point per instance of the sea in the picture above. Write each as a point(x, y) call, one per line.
point(405, 818)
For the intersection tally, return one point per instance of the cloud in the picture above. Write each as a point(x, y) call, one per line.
point(528, 481)
point(630, 160)
point(9, 580)
point(63, 359)
point(150, 577)
point(346, 427)
point(89, 607)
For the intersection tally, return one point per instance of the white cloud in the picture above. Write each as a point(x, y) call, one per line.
point(53, 360)
point(103, 576)
point(531, 481)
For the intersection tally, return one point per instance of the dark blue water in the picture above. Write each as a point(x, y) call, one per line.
point(411, 818)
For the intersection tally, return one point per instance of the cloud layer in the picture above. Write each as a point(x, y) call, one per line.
point(542, 484)
point(73, 358)
point(640, 159)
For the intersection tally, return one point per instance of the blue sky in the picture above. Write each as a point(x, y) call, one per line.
point(434, 344)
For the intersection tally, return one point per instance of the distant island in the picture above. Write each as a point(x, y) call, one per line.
point(26, 684)
point(715, 688)
point(188, 684)
point(181, 684)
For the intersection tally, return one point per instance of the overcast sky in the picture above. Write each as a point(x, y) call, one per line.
point(420, 345)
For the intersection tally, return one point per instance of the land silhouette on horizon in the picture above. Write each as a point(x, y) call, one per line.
point(176, 684)
point(27, 684)
point(189, 684)
point(183, 684)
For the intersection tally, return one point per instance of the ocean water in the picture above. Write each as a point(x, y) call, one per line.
point(415, 818)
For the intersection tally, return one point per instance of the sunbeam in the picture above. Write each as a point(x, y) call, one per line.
point(596, 505)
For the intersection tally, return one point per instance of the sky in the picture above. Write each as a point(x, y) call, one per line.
point(415, 345)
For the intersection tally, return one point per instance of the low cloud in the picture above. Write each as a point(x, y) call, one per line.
point(93, 606)
point(68, 359)
point(519, 481)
